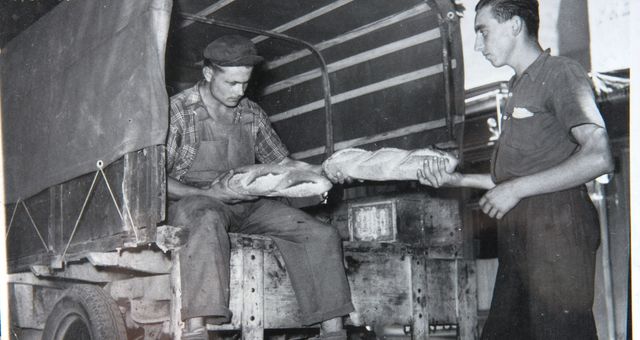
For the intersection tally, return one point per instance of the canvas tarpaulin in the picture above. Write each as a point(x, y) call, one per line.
point(84, 83)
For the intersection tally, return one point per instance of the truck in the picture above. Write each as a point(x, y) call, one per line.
point(85, 112)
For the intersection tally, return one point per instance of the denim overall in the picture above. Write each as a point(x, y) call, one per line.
point(312, 251)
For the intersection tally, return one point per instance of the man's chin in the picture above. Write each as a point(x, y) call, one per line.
point(231, 103)
point(495, 63)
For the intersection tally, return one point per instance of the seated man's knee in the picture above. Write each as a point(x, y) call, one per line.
point(326, 233)
point(198, 210)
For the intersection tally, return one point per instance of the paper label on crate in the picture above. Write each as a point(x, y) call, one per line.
point(372, 223)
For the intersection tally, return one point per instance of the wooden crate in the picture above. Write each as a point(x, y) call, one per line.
point(393, 286)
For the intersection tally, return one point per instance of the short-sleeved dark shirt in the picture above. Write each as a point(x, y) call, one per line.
point(183, 139)
point(552, 96)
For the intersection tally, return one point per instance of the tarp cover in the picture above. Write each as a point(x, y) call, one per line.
point(84, 83)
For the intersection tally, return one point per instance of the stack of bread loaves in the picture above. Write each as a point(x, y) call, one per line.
point(386, 164)
point(277, 180)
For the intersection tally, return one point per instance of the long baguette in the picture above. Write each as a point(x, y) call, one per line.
point(276, 180)
point(385, 164)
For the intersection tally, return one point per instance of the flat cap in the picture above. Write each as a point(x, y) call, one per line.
point(232, 50)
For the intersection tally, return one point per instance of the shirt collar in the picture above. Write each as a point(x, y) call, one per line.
point(536, 67)
point(197, 99)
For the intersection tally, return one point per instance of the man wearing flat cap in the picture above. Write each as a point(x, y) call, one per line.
point(214, 129)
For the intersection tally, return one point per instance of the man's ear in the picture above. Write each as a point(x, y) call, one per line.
point(207, 72)
point(517, 25)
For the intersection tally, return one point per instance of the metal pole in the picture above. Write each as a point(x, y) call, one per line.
point(600, 198)
point(323, 66)
point(446, 72)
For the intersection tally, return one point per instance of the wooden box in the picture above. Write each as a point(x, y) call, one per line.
point(395, 287)
point(433, 224)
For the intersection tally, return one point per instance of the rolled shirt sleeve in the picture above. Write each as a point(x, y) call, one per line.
point(573, 99)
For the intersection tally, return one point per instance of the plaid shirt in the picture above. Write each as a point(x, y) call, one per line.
point(183, 140)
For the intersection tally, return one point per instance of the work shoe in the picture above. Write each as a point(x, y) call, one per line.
point(196, 334)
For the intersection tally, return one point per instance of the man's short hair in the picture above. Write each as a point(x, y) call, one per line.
point(506, 9)
point(208, 63)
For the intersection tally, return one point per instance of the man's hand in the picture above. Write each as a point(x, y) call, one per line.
point(499, 200)
point(338, 177)
point(433, 173)
point(220, 190)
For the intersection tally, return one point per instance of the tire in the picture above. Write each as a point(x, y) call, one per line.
point(85, 312)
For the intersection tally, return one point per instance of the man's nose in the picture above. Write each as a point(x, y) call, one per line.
point(478, 45)
point(238, 90)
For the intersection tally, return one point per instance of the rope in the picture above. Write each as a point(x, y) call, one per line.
point(100, 166)
point(84, 205)
point(15, 208)
point(33, 223)
point(113, 197)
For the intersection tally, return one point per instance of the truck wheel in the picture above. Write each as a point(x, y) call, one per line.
point(85, 312)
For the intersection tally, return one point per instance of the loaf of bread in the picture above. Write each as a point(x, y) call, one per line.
point(277, 181)
point(385, 164)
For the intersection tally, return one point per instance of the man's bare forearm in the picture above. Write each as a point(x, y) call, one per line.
point(478, 181)
point(592, 160)
point(177, 190)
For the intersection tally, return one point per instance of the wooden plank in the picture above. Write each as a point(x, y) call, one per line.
point(253, 295)
point(442, 292)
point(391, 82)
point(358, 32)
point(445, 237)
point(451, 292)
point(467, 300)
point(380, 288)
point(175, 318)
point(82, 272)
point(236, 282)
point(140, 175)
point(420, 326)
point(29, 278)
point(303, 19)
point(280, 307)
point(280, 304)
point(146, 260)
point(99, 219)
point(354, 60)
point(144, 191)
point(23, 239)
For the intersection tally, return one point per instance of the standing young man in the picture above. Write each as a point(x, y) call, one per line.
point(553, 141)
point(214, 129)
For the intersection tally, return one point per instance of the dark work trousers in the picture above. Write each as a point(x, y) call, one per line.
point(547, 254)
point(312, 252)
